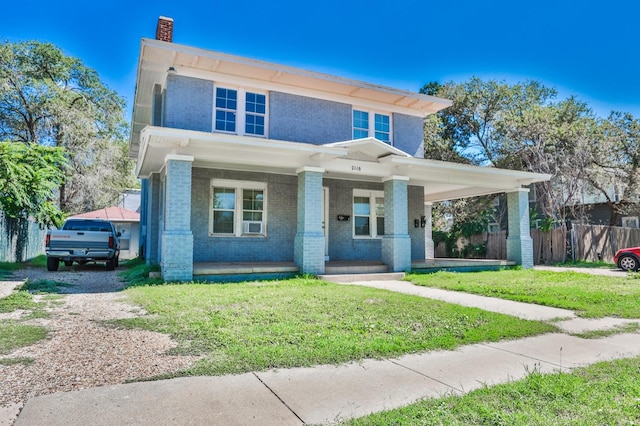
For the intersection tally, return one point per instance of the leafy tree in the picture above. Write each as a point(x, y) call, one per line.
point(51, 99)
point(471, 126)
point(523, 127)
point(616, 164)
point(29, 177)
point(556, 139)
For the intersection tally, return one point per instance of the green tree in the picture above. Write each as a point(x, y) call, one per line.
point(615, 171)
point(557, 139)
point(471, 126)
point(29, 177)
point(51, 99)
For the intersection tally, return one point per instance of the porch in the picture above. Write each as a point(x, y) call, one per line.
point(342, 271)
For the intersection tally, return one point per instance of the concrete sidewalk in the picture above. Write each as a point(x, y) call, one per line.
point(326, 394)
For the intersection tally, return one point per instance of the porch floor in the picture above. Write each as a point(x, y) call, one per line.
point(259, 269)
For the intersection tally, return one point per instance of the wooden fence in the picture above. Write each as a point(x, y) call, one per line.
point(583, 242)
point(597, 242)
point(548, 247)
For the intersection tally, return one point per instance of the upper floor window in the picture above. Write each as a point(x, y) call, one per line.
point(240, 111)
point(256, 107)
point(364, 126)
point(226, 108)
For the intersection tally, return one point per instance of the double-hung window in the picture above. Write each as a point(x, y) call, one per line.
point(366, 123)
point(238, 208)
point(368, 213)
point(240, 111)
point(226, 109)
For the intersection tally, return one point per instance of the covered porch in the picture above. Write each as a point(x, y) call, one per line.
point(401, 180)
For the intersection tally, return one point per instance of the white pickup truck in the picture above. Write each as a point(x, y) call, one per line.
point(82, 241)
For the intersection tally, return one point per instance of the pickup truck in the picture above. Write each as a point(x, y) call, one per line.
point(82, 241)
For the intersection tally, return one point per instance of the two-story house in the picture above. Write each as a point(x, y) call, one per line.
point(257, 164)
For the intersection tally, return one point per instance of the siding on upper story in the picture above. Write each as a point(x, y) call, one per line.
point(302, 119)
point(408, 134)
point(189, 102)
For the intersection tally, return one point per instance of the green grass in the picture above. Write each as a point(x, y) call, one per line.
point(14, 335)
point(600, 264)
point(303, 322)
point(17, 300)
point(38, 261)
point(44, 286)
point(16, 361)
point(137, 273)
point(590, 296)
point(633, 327)
point(7, 268)
point(607, 393)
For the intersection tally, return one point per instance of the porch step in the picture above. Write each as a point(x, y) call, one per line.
point(354, 267)
point(350, 278)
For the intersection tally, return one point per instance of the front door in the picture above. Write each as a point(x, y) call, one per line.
point(325, 221)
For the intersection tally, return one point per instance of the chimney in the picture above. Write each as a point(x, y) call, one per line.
point(164, 30)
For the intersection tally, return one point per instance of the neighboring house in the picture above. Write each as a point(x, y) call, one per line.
point(130, 200)
point(599, 212)
point(127, 223)
point(248, 161)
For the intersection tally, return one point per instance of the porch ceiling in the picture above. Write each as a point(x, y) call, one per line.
point(363, 160)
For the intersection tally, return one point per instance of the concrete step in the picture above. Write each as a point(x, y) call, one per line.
point(350, 278)
point(347, 267)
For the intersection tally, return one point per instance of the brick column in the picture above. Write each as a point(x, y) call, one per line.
point(429, 246)
point(519, 242)
point(177, 239)
point(396, 243)
point(309, 241)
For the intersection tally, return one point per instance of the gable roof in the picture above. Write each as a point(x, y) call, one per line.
point(368, 147)
point(114, 214)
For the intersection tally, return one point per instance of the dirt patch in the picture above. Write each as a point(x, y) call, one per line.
point(82, 350)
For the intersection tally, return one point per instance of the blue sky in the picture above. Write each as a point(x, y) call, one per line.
point(590, 49)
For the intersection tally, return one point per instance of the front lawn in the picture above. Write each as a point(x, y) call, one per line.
point(303, 322)
point(601, 394)
point(590, 296)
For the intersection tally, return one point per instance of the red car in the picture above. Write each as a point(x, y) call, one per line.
point(628, 259)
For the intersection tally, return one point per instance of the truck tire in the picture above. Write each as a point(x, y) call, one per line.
point(52, 264)
point(111, 264)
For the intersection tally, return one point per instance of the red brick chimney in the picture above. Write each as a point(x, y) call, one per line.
point(164, 30)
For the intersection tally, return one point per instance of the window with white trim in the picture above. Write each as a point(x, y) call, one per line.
point(238, 208)
point(240, 111)
point(368, 213)
point(379, 127)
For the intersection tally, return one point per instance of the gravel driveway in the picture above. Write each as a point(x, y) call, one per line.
point(82, 350)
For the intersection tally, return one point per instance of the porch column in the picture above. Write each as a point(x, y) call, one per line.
point(519, 242)
point(177, 239)
point(309, 241)
point(396, 243)
point(429, 246)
